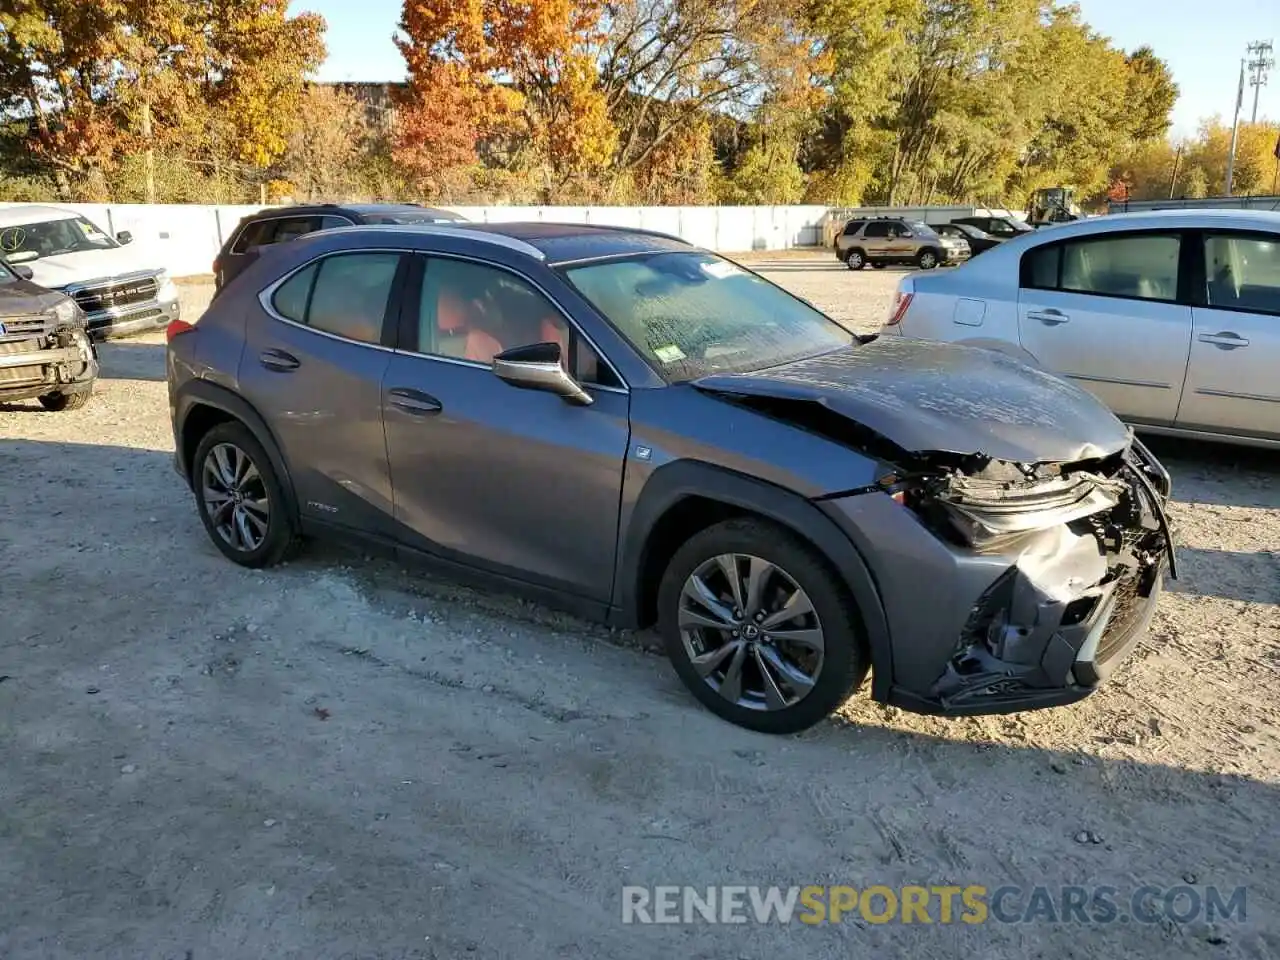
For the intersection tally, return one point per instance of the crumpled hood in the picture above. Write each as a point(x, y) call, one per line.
point(21, 298)
point(62, 269)
point(926, 396)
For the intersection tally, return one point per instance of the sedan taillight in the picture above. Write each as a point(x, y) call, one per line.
point(901, 303)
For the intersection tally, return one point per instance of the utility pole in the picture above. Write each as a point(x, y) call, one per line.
point(1259, 65)
point(1235, 131)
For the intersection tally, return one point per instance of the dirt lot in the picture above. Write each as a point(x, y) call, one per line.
point(339, 758)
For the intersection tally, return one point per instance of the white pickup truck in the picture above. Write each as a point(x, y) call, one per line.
point(119, 288)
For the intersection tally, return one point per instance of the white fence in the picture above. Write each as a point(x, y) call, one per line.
point(184, 238)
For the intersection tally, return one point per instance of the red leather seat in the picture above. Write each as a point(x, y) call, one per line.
point(457, 334)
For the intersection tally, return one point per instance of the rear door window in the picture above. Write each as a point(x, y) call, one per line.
point(351, 294)
point(346, 294)
point(877, 230)
point(1136, 267)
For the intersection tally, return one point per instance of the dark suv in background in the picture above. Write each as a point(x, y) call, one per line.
point(637, 429)
point(280, 224)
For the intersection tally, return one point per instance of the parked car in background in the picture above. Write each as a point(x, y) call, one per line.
point(629, 426)
point(1003, 228)
point(978, 240)
point(121, 289)
point(881, 241)
point(1172, 318)
point(45, 349)
point(274, 225)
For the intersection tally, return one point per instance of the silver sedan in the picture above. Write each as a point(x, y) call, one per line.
point(1172, 318)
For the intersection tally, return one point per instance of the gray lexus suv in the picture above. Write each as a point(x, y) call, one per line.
point(627, 426)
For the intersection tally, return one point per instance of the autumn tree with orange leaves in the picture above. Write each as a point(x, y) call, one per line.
point(509, 82)
point(212, 82)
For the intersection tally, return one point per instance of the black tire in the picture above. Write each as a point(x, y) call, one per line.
point(66, 399)
point(879, 265)
point(855, 259)
point(281, 537)
point(928, 259)
point(844, 660)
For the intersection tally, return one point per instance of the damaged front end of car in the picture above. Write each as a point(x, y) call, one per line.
point(1086, 545)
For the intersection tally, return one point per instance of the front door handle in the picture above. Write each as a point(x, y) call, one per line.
point(414, 401)
point(1050, 317)
point(279, 360)
point(1224, 340)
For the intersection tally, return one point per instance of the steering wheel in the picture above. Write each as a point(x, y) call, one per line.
point(11, 240)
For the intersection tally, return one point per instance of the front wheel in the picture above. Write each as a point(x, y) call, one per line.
point(759, 628)
point(927, 260)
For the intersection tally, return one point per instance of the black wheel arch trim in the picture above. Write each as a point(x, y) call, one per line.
point(196, 393)
point(670, 484)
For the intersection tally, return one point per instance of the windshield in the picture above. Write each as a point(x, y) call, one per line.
point(692, 314)
point(49, 238)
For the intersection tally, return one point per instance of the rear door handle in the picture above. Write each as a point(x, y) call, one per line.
point(414, 401)
point(1224, 340)
point(1050, 317)
point(278, 360)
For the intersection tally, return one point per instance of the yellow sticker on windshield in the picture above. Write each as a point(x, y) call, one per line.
point(669, 354)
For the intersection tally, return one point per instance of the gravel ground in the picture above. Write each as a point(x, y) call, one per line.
point(339, 758)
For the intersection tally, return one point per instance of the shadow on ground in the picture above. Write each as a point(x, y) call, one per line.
point(343, 780)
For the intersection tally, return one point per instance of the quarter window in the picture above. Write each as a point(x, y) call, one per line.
point(1139, 267)
point(290, 299)
point(1243, 273)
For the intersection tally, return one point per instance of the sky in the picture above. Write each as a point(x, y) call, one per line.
point(1202, 42)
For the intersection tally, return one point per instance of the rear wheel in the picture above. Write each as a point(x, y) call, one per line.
point(759, 628)
point(855, 260)
point(66, 399)
point(239, 497)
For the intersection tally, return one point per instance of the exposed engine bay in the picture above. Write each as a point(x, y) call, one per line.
point(1090, 542)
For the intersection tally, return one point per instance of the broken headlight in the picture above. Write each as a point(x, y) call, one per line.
point(67, 313)
point(989, 514)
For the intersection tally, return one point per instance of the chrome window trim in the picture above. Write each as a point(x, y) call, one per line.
point(573, 325)
point(444, 230)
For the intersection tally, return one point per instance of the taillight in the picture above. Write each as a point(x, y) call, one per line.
point(901, 303)
point(177, 327)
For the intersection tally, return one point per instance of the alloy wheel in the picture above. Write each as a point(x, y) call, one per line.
point(751, 632)
point(235, 497)
point(928, 261)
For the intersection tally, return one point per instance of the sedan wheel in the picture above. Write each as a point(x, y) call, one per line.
point(240, 499)
point(759, 628)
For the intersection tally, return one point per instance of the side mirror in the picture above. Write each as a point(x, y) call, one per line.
point(124, 236)
point(537, 367)
point(26, 273)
